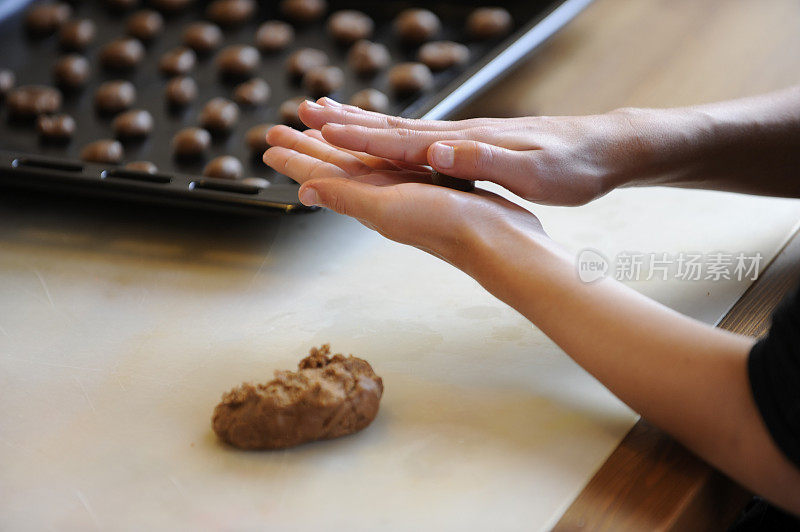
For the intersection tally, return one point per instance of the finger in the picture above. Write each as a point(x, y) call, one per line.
point(324, 111)
point(299, 166)
point(378, 163)
point(409, 145)
point(345, 196)
point(295, 140)
point(469, 159)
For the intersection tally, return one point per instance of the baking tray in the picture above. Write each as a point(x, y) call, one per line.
point(26, 161)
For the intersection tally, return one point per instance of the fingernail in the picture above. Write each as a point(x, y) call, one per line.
point(444, 156)
point(309, 197)
point(313, 105)
point(335, 127)
point(332, 103)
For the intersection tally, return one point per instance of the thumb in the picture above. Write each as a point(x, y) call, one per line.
point(345, 196)
point(470, 159)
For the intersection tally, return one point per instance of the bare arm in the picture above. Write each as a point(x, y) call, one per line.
point(686, 377)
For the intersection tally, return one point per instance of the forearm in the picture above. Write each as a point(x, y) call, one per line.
point(751, 145)
point(686, 377)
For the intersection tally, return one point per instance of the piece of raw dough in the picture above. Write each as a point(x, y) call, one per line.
point(327, 397)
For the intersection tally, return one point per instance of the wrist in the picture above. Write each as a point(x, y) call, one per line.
point(661, 146)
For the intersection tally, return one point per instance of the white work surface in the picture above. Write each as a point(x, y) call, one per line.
point(120, 329)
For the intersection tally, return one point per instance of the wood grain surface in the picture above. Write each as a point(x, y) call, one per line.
point(662, 53)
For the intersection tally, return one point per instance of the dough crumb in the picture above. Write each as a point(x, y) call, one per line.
point(327, 397)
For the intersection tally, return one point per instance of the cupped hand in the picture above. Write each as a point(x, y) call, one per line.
point(394, 198)
point(549, 160)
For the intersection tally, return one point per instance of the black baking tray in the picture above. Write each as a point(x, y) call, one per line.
point(27, 162)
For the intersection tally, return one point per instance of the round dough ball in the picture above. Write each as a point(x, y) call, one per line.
point(303, 60)
point(348, 25)
point(410, 78)
point(145, 25)
point(238, 60)
point(231, 12)
point(323, 80)
point(178, 61)
point(133, 123)
point(415, 26)
point(181, 91)
point(304, 11)
point(219, 114)
point(122, 54)
point(441, 55)
point(191, 142)
point(77, 34)
point(489, 23)
point(366, 57)
point(224, 167)
point(252, 92)
point(202, 37)
point(44, 19)
point(274, 35)
point(371, 100)
point(145, 167)
point(103, 151)
point(71, 71)
point(114, 96)
point(56, 127)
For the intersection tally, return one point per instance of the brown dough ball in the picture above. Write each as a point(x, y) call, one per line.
point(202, 37)
point(145, 25)
point(252, 92)
point(348, 25)
point(415, 26)
point(323, 80)
point(71, 71)
point(238, 60)
point(133, 123)
point(441, 55)
point(77, 34)
point(145, 167)
point(274, 35)
point(367, 58)
point(56, 127)
point(122, 54)
point(456, 183)
point(231, 12)
point(371, 100)
point(44, 19)
point(219, 114)
point(181, 91)
point(114, 96)
point(256, 138)
point(288, 112)
point(303, 60)
point(103, 151)
point(410, 78)
point(223, 167)
point(33, 100)
point(178, 61)
point(304, 11)
point(327, 397)
point(191, 142)
point(489, 23)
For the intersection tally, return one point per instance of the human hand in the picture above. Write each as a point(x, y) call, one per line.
point(549, 160)
point(396, 198)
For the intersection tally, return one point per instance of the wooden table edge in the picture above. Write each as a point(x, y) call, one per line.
point(651, 482)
